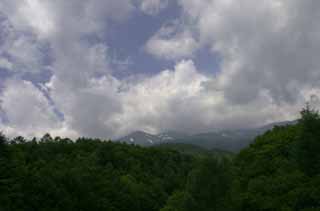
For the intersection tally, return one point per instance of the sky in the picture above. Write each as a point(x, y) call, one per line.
point(105, 68)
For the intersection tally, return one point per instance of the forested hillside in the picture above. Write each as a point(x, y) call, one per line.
point(279, 171)
point(88, 175)
point(194, 150)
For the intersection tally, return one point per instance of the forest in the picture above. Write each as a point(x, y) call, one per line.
point(280, 170)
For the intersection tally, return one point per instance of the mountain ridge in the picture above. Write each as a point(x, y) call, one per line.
point(229, 140)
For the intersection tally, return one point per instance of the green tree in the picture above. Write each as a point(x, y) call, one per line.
point(209, 184)
point(5, 172)
point(309, 141)
point(180, 201)
point(46, 138)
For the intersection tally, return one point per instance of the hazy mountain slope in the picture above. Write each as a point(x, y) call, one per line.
point(141, 138)
point(228, 140)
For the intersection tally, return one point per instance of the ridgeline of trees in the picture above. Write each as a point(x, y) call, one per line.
point(279, 171)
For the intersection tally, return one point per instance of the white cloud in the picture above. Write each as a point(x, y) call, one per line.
point(269, 68)
point(76, 62)
point(269, 56)
point(110, 107)
point(270, 45)
point(153, 7)
point(87, 109)
point(176, 99)
point(37, 15)
point(172, 43)
point(154, 103)
point(48, 17)
point(27, 109)
point(20, 52)
point(27, 54)
point(180, 100)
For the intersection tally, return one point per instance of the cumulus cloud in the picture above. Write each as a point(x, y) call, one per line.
point(88, 109)
point(20, 52)
point(27, 109)
point(177, 99)
point(76, 61)
point(156, 103)
point(109, 107)
point(82, 86)
point(268, 51)
point(270, 46)
point(269, 66)
point(172, 43)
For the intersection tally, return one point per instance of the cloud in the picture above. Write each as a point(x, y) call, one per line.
point(34, 30)
point(172, 43)
point(107, 107)
point(20, 52)
point(76, 59)
point(153, 7)
point(5, 64)
point(47, 17)
point(269, 67)
point(177, 99)
point(157, 103)
point(88, 109)
point(270, 46)
point(36, 14)
point(27, 110)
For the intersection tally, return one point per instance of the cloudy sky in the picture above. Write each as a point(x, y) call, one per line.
point(105, 68)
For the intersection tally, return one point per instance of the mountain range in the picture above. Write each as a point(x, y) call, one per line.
point(228, 140)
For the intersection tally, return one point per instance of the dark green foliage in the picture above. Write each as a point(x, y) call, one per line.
point(180, 201)
point(279, 171)
point(208, 188)
point(88, 175)
point(4, 170)
point(309, 142)
point(195, 150)
point(3, 144)
point(209, 184)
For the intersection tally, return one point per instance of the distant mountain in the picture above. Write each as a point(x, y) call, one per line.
point(228, 140)
point(172, 135)
point(147, 139)
point(270, 126)
point(141, 138)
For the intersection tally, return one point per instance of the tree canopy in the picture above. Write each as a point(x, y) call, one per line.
point(280, 170)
